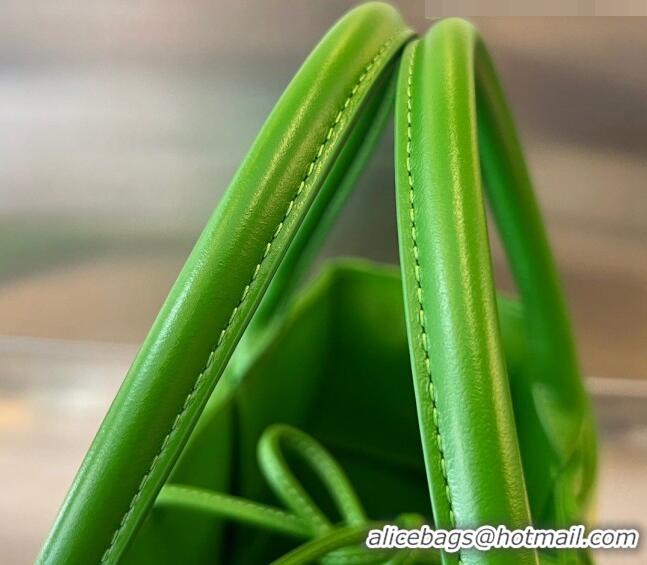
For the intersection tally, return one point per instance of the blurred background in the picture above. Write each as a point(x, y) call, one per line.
point(123, 122)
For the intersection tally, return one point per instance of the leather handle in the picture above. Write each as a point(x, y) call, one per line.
point(557, 430)
point(467, 420)
point(221, 286)
point(345, 171)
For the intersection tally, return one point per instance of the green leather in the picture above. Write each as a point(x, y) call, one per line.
point(320, 383)
point(220, 286)
point(451, 116)
point(333, 371)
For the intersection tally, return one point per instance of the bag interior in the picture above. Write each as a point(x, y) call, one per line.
point(336, 367)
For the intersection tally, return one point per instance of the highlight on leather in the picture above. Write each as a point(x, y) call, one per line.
point(315, 384)
point(222, 283)
point(513, 449)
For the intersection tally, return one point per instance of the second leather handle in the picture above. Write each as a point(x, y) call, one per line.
point(464, 406)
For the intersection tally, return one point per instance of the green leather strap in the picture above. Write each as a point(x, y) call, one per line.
point(304, 518)
point(289, 489)
point(315, 550)
point(341, 180)
point(348, 166)
point(467, 420)
point(222, 283)
point(555, 423)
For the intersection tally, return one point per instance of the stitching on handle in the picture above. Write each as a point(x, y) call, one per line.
point(268, 247)
point(421, 311)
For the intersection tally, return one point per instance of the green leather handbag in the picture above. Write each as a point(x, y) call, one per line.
point(262, 421)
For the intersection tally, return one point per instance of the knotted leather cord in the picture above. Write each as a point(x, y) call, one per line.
point(289, 489)
point(330, 543)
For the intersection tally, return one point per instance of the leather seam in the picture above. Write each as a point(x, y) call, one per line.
point(421, 317)
point(309, 170)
